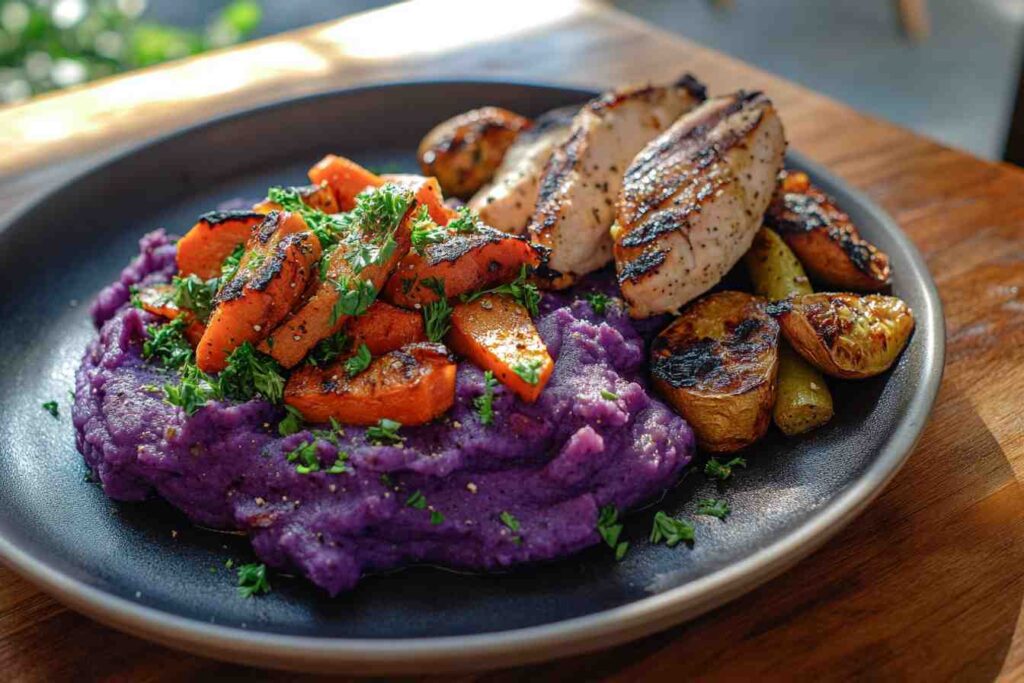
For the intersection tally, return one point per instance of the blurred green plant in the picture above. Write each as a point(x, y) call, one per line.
point(47, 44)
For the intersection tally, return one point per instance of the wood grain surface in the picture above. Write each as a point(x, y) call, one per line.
point(926, 585)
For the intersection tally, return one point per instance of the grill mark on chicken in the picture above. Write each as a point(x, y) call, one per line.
point(641, 266)
point(215, 218)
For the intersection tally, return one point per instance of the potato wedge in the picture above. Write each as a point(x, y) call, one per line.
point(212, 239)
point(848, 335)
point(824, 238)
point(716, 364)
point(413, 385)
point(464, 152)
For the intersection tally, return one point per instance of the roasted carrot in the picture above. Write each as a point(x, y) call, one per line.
point(385, 328)
point(314, 196)
point(496, 333)
point(345, 177)
point(279, 260)
point(463, 262)
point(212, 239)
point(412, 385)
point(349, 284)
point(159, 300)
point(427, 191)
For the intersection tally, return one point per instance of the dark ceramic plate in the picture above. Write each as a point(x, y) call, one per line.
point(143, 568)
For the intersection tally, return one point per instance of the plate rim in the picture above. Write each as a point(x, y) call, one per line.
point(532, 644)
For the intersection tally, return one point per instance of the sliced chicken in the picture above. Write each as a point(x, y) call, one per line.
point(507, 202)
point(576, 202)
point(693, 199)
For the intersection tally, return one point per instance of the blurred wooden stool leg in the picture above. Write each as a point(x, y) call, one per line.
point(914, 18)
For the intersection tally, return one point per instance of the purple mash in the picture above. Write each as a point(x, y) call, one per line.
point(550, 465)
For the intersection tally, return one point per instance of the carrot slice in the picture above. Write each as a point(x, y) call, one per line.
point(279, 259)
point(496, 333)
point(464, 262)
point(345, 177)
point(212, 239)
point(385, 328)
point(159, 300)
point(428, 192)
point(412, 385)
point(314, 196)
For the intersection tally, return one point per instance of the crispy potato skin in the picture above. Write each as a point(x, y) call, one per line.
point(413, 385)
point(848, 335)
point(716, 364)
point(824, 238)
point(464, 152)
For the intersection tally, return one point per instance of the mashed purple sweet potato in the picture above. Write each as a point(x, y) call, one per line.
point(455, 493)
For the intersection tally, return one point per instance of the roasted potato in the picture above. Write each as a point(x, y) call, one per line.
point(464, 152)
point(824, 238)
point(803, 401)
point(847, 335)
point(716, 364)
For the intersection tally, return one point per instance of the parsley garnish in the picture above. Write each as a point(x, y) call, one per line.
point(484, 403)
point(714, 507)
point(508, 520)
point(193, 390)
point(609, 528)
point(340, 464)
point(292, 422)
point(193, 293)
point(327, 228)
point(135, 297)
point(252, 580)
point(670, 530)
point(425, 231)
point(353, 297)
point(229, 267)
point(437, 315)
point(359, 362)
point(529, 370)
point(609, 395)
point(370, 226)
point(466, 222)
point(436, 518)
point(417, 501)
point(305, 455)
point(598, 301)
point(167, 344)
point(52, 408)
point(720, 471)
point(327, 349)
point(520, 289)
point(384, 432)
point(249, 373)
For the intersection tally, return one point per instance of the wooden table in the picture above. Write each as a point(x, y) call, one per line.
point(927, 584)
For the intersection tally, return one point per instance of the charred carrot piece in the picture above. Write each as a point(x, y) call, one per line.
point(413, 385)
point(212, 239)
point(427, 192)
point(496, 333)
point(159, 300)
point(279, 260)
point(345, 177)
point(385, 328)
point(314, 196)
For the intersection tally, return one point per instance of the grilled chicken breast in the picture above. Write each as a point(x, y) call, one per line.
point(507, 202)
point(576, 202)
point(693, 199)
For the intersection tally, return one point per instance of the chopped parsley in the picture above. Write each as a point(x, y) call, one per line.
point(292, 422)
point(193, 390)
point(598, 301)
point(417, 501)
point(720, 471)
point(353, 297)
point(327, 349)
point(326, 227)
point(437, 315)
point(384, 432)
point(370, 226)
point(520, 289)
point(466, 222)
point(670, 530)
point(249, 373)
point(359, 362)
point(425, 231)
point(509, 521)
point(52, 408)
point(134, 297)
point(252, 580)
point(340, 465)
point(193, 293)
point(610, 529)
point(436, 518)
point(304, 457)
point(484, 403)
point(609, 395)
point(529, 370)
point(713, 507)
point(229, 267)
point(167, 344)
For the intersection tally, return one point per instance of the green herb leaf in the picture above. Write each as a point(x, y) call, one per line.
point(229, 268)
point(52, 408)
point(292, 422)
point(369, 228)
point(354, 297)
point(509, 521)
point(250, 373)
point(714, 507)
point(167, 345)
point(416, 501)
point(484, 403)
point(304, 457)
point(466, 222)
point(436, 518)
point(598, 301)
point(134, 297)
point(437, 315)
point(384, 432)
point(609, 395)
point(529, 370)
point(425, 231)
point(340, 465)
point(359, 362)
point(193, 293)
point(252, 580)
point(327, 228)
point(520, 289)
point(609, 528)
point(670, 530)
point(720, 471)
point(194, 389)
point(328, 349)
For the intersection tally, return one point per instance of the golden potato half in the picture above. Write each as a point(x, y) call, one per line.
point(848, 335)
point(464, 152)
point(716, 364)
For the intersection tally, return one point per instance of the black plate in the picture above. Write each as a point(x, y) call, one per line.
point(143, 568)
